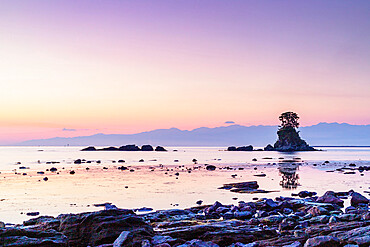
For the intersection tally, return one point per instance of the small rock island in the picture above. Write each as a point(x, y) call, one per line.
point(288, 137)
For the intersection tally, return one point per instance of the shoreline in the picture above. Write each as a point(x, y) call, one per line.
point(174, 178)
point(306, 219)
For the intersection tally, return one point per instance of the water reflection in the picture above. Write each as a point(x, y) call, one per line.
point(288, 172)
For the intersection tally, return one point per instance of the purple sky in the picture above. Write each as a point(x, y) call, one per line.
point(130, 66)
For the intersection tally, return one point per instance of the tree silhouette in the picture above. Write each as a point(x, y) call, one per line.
point(289, 120)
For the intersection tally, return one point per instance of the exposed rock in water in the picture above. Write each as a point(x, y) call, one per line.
point(91, 148)
point(210, 167)
point(129, 148)
point(243, 148)
point(147, 148)
point(108, 149)
point(289, 141)
point(160, 149)
point(269, 147)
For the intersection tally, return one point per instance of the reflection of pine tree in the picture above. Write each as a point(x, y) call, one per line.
point(289, 177)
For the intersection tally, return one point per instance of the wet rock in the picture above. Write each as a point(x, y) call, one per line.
point(53, 169)
point(210, 167)
point(158, 239)
point(122, 168)
point(329, 197)
point(260, 175)
point(198, 243)
point(32, 213)
point(102, 227)
point(294, 244)
point(359, 236)
point(238, 244)
point(315, 211)
point(245, 215)
point(199, 202)
point(242, 185)
point(322, 241)
point(232, 148)
point(357, 198)
point(349, 217)
point(22, 237)
point(120, 241)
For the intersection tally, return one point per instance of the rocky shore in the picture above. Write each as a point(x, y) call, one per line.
point(304, 219)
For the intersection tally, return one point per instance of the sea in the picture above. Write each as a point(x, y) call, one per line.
point(177, 178)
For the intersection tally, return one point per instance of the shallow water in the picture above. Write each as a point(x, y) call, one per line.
point(150, 186)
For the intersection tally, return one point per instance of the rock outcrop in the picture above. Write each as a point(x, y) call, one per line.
point(289, 141)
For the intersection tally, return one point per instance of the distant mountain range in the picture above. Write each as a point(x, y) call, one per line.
point(322, 134)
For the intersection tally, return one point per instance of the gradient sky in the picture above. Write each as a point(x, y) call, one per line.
point(76, 67)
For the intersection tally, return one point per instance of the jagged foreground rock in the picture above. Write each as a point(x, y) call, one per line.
point(309, 221)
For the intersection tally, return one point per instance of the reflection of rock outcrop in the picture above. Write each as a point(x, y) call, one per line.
point(289, 176)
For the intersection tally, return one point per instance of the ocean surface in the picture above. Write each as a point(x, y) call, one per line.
point(163, 180)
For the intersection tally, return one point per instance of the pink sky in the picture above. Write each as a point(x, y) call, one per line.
point(126, 67)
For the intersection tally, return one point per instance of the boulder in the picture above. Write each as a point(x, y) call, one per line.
point(160, 149)
point(147, 148)
point(20, 236)
point(232, 148)
point(357, 198)
point(329, 197)
point(102, 227)
point(210, 167)
point(322, 241)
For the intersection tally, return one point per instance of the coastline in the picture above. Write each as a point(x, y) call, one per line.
point(306, 220)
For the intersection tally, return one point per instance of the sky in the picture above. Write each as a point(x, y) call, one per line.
point(76, 67)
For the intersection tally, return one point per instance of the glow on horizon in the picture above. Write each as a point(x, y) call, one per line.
point(127, 67)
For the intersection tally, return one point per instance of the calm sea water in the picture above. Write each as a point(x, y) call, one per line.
point(9, 156)
point(150, 185)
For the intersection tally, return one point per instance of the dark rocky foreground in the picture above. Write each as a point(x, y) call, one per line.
point(305, 220)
